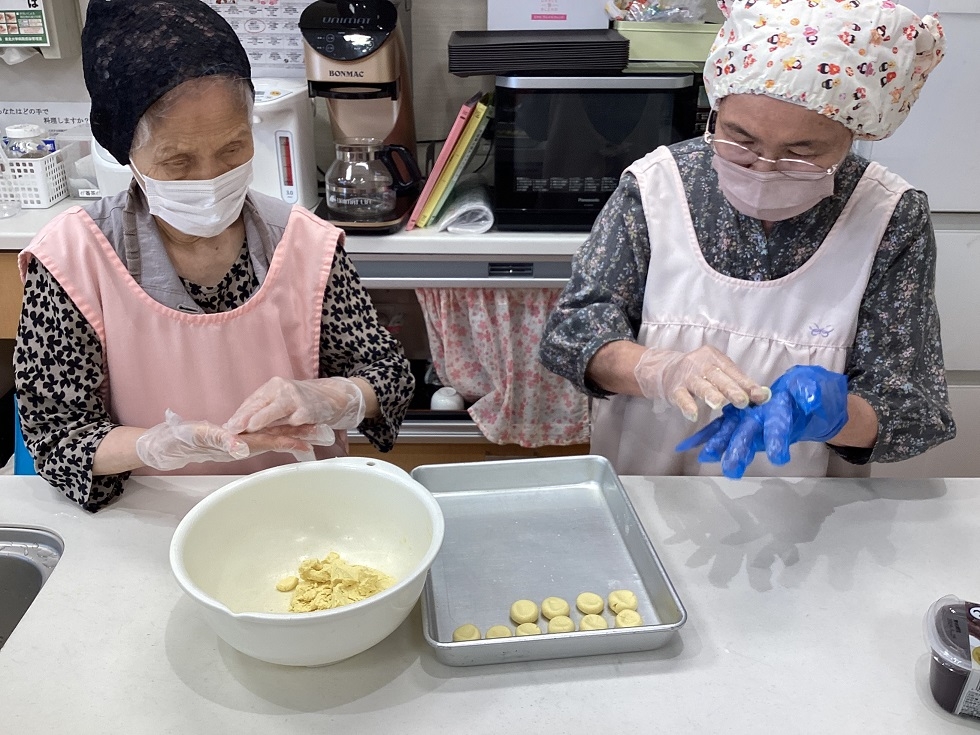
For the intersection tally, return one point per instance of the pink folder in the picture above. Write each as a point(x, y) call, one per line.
point(447, 150)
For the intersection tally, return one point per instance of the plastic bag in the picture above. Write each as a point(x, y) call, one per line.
point(468, 210)
point(661, 11)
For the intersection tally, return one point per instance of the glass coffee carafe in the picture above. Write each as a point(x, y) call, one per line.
point(363, 183)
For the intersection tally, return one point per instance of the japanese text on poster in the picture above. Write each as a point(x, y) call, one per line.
point(269, 31)
point(54, 117)
point(22, 23)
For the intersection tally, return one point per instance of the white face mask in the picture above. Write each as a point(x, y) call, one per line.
point(204, 208)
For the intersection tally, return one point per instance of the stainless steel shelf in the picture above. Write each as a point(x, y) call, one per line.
point(427, 432)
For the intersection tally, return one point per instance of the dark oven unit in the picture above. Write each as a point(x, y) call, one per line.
point(561, 143)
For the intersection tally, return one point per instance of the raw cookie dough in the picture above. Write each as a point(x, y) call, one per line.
point(332, 582)
point(552, 606)
point(589, 603)
point(620, 600)
point(628, 619)
point(561, 624)
point(528, 629)
point(499, 631)
point(593, 622)
point(524, 611)
point(467, 632)
point(287, 584)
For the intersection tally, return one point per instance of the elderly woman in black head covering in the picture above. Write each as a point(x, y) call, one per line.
point(190, 324)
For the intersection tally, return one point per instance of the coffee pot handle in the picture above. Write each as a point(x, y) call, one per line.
point(401, 183)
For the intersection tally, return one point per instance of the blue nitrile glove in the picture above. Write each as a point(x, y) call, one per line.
point(809, 403)
point(715, 436)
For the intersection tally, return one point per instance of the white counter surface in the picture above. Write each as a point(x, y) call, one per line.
point(17, 231)
point(805, 601)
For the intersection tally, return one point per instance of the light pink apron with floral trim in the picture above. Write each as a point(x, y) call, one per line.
point(808, 317)
point(202, 366)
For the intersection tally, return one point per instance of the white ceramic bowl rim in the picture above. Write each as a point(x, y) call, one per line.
point(302, 618)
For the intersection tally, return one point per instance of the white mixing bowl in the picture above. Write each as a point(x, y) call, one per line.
point(229, 551)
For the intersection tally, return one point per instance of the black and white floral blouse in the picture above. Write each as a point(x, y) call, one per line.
point(60, 369)
point(896, 361)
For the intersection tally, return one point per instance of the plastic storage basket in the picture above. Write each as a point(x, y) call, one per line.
point(37, 182)
point(655, 41)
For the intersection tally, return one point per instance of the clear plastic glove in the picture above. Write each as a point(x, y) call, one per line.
point(809, 403)
point(307, 409)
point(176, 443)
point(679, 378)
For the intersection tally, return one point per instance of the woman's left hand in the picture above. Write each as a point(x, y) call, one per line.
point(175, 443)
point(307, 409)
point(808, 403)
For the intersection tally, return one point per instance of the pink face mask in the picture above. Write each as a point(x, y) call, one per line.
point(770, 195)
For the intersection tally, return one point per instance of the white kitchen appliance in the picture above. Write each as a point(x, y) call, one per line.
point(282, 127)
point(111, 176)
point(282, 130)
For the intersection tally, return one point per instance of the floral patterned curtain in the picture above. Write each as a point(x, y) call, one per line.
point(484, 343)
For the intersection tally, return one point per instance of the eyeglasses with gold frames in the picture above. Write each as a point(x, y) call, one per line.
point(794, 168)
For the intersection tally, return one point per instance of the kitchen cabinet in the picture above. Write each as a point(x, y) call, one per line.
point(11, 294)
point(957, 276)
point(409, 455)
point(15, 234)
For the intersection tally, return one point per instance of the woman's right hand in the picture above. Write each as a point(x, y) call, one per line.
point(308, 409)
point(680, 378)
point(176, 443)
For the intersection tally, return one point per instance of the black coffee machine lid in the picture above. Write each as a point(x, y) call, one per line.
point(349, 30)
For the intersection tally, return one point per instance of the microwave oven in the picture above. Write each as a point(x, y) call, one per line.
point(561, 143)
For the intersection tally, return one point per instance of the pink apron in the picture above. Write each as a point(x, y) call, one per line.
point(202, 366)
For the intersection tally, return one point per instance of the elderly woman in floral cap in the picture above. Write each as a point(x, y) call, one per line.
point(765, 269)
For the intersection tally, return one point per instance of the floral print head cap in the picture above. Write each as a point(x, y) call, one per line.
point(859, 62)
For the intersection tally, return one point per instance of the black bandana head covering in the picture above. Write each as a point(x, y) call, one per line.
point(135, 51)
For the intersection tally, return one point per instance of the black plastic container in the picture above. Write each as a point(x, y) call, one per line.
point(946, 632)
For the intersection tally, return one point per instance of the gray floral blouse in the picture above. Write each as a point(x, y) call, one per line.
point(59, 369)
point(896, 362)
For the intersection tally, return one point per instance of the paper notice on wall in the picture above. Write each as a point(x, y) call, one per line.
point(54, 117)
point(545, 14)
point(22, 23)
point(269, 31)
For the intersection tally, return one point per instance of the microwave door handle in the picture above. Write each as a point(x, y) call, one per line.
point(573, 84)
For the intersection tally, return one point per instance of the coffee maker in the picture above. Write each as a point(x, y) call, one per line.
point(356, 59)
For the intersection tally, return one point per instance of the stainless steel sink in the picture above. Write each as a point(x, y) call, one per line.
point(27, 557)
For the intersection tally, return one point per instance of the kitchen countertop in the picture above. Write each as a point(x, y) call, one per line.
point(805, 601)
point(17, 231)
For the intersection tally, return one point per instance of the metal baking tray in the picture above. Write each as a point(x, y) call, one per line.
point(531, 529)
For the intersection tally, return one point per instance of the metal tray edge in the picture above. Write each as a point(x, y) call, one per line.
point(455, 653)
